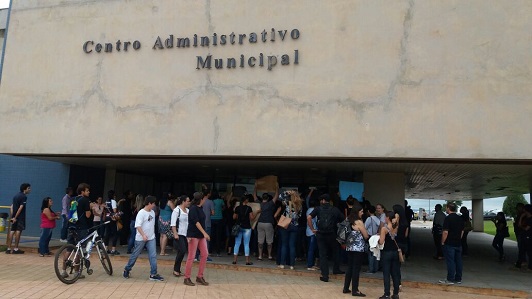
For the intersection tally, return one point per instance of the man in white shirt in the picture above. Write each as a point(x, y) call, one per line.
point(145, 225)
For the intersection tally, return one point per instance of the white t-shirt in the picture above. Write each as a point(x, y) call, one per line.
point(146, 221)
point(183, 220)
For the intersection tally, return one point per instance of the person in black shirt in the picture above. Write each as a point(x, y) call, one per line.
point(328, 218)
point(198, 238)
point(453, 229)
point(18, 218)
point(244, 215)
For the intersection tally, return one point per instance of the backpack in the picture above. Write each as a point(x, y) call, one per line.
point(343, 231)
point(73, 212)
point(327, 220)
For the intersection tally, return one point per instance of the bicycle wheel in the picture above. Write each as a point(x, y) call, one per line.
point(67, 265)
point(104, 258)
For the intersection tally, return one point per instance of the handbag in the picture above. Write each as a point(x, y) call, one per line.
point(119, 225)
point(468, 226)
point(284, 222)
point(235, 230)
point(399, 251)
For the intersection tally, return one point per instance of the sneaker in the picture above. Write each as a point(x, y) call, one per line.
point(64, 274)
point(63, 240)
point(291, 267)
point(8, 251)
point(447, 282)
point(395, 296)
point(384, 297)
point(209, 259)
point(196, 260)
point(324, 279)
point(281, 266)
point(311, 269)
point(188, 282)
point(201, 280)
point(126, 274)
point(458, 282)
point(156, 277)
point(18, 251)
point(115, 252)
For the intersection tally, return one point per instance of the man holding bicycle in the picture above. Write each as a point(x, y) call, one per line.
point(84, 221)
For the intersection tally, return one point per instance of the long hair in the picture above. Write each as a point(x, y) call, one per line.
point(353, 216)
point(139, 202)
point(400, 210)
point(44, 204)
point(295, 201)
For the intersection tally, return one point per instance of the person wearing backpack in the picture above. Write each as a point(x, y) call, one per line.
point(328, 217)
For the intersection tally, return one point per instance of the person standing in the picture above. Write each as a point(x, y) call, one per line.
point(293, 208)
point(437, 231)
point(328, 218)
point(111, 231)
point(208, 210)
point(355, 248)
point(501, 231)
point(266, 221)
point(389, 257)
point(198, 238)
point(179, 224)
point(217, 222)
point(451, 241)
point(65, 207)
point(467, 228)
point(48, 218)
point(372, 227)
point(145, 236)
point(243, 215)
point(18, 218)
point(97, 210)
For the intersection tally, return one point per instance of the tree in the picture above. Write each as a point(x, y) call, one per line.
point(458, 204)
point(508, 207)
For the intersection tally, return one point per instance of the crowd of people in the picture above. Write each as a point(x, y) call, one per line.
point(286, 226)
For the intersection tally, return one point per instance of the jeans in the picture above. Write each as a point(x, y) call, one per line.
point(131, 240)
point(327, 244)
point(64, 228)
point(289, 236)
point(352, 274)
point(453, 258)
point(194, 245)
point(373, 263)
point(390, 267)
point(152, 255)
point(312, 246)
point(497, 243)
point(44, 241)
point(244, 233)
point(181, 246)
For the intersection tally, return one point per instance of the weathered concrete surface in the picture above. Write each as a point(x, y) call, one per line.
point(420, 79)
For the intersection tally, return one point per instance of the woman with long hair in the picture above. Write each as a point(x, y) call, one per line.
point(179, 224)
point(355, 248)
point(138, 205)
point(389, 256)
point(165, 216)
point(197, 238)
point(99, 217)
point(500, 233)
point(292, 209)
point(48, 218)
point(243, 215)
point(465, 216)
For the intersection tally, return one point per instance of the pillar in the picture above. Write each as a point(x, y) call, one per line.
point(387, 188)
point(110, 181)
point(478, 214)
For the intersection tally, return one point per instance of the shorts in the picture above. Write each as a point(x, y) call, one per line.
point(19, 225)
point(265, 230)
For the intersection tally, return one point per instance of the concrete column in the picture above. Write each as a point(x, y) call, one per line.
point(478, 215)
point(110, 181)
point(387, 188)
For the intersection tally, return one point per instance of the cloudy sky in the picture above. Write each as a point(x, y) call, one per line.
point(489, 203)
point(4, 3)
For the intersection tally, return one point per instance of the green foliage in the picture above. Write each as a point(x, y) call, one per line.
point(508, 207)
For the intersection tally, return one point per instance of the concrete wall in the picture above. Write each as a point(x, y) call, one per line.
point(425, 79)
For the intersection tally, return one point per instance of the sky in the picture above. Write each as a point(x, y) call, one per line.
point(489, 203)
point(4, 3)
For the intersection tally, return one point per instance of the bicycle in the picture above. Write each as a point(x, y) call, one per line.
point(70, 259)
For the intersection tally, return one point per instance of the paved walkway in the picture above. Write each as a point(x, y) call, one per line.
point(483, 276)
